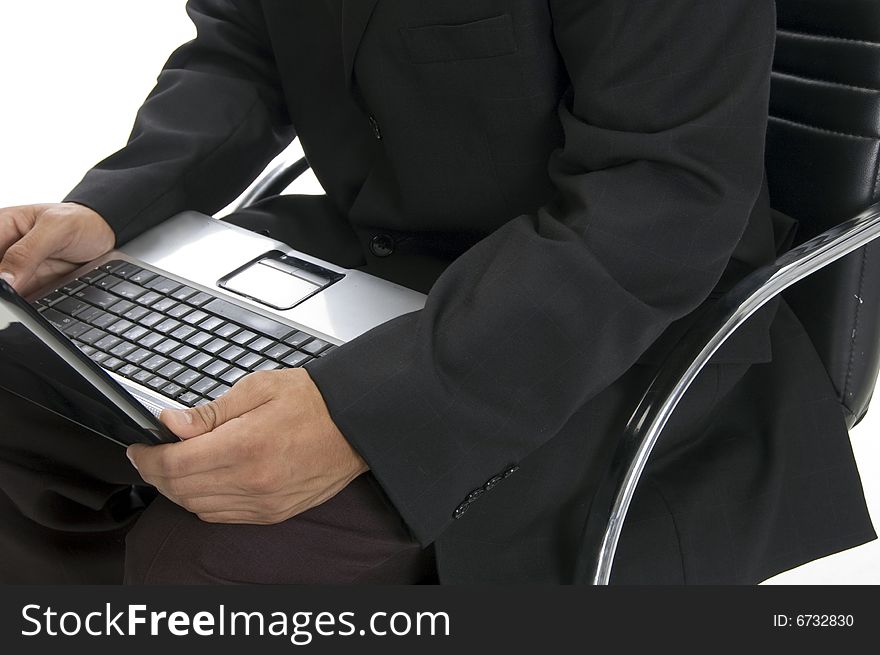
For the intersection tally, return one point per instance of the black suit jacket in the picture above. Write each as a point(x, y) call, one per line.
point(571, 179)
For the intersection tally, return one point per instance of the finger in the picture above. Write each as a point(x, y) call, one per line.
point(248, 394)
point(216, 504)
point(177, 460)
point(9, 232)
point(223, 482)
point(239, 518)
point(22, 258)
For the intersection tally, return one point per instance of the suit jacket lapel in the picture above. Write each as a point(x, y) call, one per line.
point(355, 17)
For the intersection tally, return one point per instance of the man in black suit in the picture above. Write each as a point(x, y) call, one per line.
point(571, 180)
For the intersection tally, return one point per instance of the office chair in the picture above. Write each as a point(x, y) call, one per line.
point(823, 168)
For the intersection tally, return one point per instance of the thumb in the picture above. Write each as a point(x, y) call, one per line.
point(24, 256)
point(245, 396)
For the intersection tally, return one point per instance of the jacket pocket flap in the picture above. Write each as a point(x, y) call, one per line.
point(481, 39)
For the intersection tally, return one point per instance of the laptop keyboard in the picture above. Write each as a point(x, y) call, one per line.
point(185, 344)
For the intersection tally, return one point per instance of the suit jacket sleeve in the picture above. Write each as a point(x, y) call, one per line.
point(662, 163)
point(214, 120)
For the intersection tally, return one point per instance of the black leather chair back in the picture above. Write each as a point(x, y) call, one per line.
point(823, 167)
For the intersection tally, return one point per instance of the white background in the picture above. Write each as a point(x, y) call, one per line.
point(74, 73)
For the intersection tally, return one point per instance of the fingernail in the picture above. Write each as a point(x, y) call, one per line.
point(9, 278)
point(187, 416)
point(131, 459)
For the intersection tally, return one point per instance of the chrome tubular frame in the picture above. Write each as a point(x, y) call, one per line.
point(684, 363)
point(273, 181)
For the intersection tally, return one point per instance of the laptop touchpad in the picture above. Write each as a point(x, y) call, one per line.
point(278, 280)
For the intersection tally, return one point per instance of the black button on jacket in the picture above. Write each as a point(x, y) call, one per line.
point(601, 164)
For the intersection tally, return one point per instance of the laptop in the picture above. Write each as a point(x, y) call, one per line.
point(175, 318)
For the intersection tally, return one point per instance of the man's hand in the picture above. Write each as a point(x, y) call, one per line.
point(265, 451)
point(42, 242)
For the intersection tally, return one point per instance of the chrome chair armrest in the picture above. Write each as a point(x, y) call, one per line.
point(689, 356)
point(273, 181)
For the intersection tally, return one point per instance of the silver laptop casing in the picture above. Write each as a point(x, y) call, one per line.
point(199, 250)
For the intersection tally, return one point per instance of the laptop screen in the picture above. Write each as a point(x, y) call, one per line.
point(41, 366)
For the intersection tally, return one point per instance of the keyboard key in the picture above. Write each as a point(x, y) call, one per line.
point(226, 330)
point(164, 305)
point(188, 377)
point(128, 370)
point(71, 306)
point(216, 369)
point(296, 359)
point(233, 375)
point(142, 277)
point(244, 337)
point(142, 377)
point(107, 282)
point(157, 383)
point(151, 319)
point(150, 298)
point(167, 326)
point(53, 298)
point(195, 317)
point(123, 349)
point(183, 353)
point(215, 346)
point(72, 287)
point(299, 339)
point(279, 351)
point(125, 270)
point(137, 332)
point(136, 313)
point(232, 353)
point(199, 360)
point(139, 356)
point(204, 385)
point(128, 290)
point(92, 277)
point(189, 399)
point(199, 339)
point(163, 285)
point(328, 351)
point(154, 363)
point(76, 329)
point(250, 320)
point(217, 391)
point(183, 332)
point(88, 350)
point(150, 340)
point(93, 336)
point(211, 323)
point(58, 319)
point(165, 347)
point(104, 321)
point(111, 266)
point(171, 369)
point(99, 357)
point(262, 344)
point(107, 343)
point(97, 297)
point(120, 326)
point(199, 299)
point(183, 293)
point(121, 307)
point(179, 311)
point(90, 313)
point(315, 346)
point(112, 363)
point(269, 365)
point(250, 361)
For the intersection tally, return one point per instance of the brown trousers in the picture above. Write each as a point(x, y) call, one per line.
point(68, 515)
